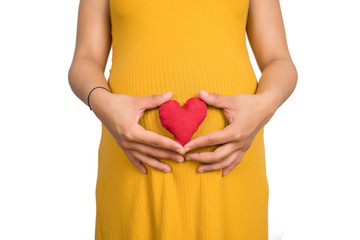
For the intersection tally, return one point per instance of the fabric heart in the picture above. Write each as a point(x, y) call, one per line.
point(183, 122)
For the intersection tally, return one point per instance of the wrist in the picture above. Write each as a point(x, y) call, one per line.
point(270, 101)
point(99, 98)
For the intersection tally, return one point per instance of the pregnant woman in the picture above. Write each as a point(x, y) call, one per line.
point(149, 185)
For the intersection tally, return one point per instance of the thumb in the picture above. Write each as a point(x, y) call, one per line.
point(155, 100)
point(214, 99)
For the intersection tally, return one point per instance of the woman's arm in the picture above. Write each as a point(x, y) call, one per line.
point(120, 113)
point(266, 34)
point(93, 43)
point(248, 113)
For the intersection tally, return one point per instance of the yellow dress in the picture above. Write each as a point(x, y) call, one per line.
point(180, 46)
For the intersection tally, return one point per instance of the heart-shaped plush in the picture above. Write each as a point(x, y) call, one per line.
point(183, 122)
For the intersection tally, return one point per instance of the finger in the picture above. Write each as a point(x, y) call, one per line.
point(153, 151)
point(219, 154)
point(227, 169)
point(152, 162)
point(219, 165)
point(142, 135)
point(217, 137)
point(136, 162)
point(152, 101)
point(215, 99)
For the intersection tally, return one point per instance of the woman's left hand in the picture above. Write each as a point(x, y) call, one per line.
point(247, 114)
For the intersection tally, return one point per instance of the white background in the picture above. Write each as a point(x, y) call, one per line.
point(49, 138)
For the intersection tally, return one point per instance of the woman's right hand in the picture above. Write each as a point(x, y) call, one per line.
point(120, 114)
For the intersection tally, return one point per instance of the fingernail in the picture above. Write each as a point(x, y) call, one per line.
point(167, 169)
point(181, 159)
point(187, 149)
point(167, 94)
point(180, 150)
point(205, 93)
point(201, 170)
point(188, 157)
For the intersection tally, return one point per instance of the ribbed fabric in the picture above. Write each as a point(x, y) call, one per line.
point(180, 46)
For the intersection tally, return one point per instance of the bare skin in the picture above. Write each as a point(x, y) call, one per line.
point(246, 113)
point(119, 113)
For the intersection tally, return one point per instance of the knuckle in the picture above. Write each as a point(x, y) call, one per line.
point(238, 135)
point(120, 142)
point(126, 144)
point(171, 155)
point(156, 142)
point(151, 163)
point(143, 159)
point(140, 157)
point(224, 165)
point(210, 141)
point(159, 154)
point(157, 164)
point(244, 146)
point(155, 98)
point(119, 132)
point(129, 135)
point(227, 162)
point(209, 160)
point(123, 133)
point(217, 157)
point(214, 167)
point(164, 167)
point(136, 102)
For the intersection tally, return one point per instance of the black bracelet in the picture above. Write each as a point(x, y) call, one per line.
point(93, 90)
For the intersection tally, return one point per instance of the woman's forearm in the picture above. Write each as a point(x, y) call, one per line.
point(85, 74)
point(276, 84)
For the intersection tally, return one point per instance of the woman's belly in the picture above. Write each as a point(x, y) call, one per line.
point(184, 69)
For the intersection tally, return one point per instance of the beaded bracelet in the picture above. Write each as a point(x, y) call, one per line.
point(93, 90)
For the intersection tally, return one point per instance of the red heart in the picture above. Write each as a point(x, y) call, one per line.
point(183, 122)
